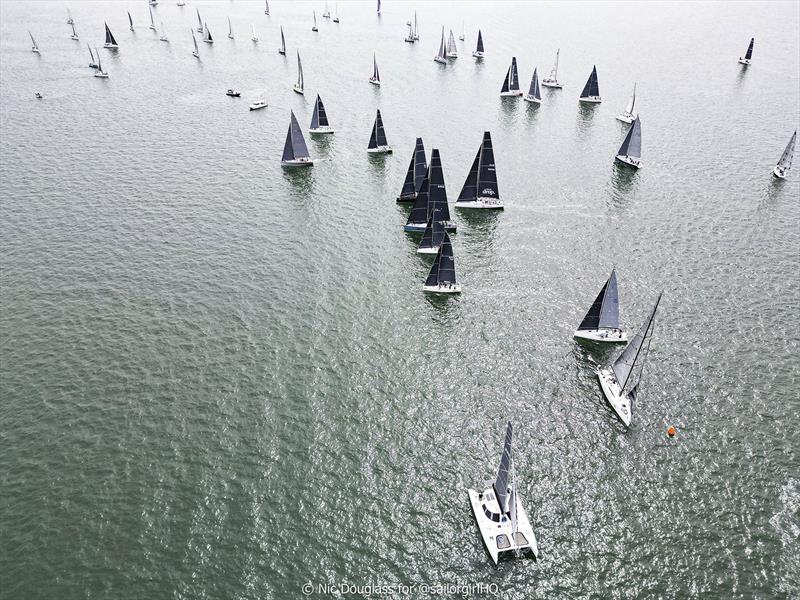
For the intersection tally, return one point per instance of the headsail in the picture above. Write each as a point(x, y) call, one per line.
point(207, 37)
point(295, 146)
point(604, 312)
point(230, 29)
point(443, 270)
point(554, 70)
point(749, 54)
point(632, 144)
point(785, 162)
point(378, 136)
point(628, 367)
point(591, 88)
point(503, 472)
point(479, 47)
point(481, 181)
point(110, 41)
point(452, 50)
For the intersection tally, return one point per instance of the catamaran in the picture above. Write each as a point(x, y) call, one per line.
point(591, 91)
point(336, 14)
point(110, 41)
point(462, 36)
point(552, 80)
point(69, 17)
point(376, 77)
point(327, 13)
point(452, 50)
point(163, 37)
point(749, 54)
point(534, 93)
point(630, 152)
point(319, 120)
point(196, 51)
point(253, 36)
point(152, 22)
point(282, 49)
point(441, 56)
point(511, 82)
point(266, 7)
point(442, 277)
point(130, 21)
point(200, 27)
point(629, 113)
point(295, 151)
point(74, 35)
point(314, 28)
point(377, 139)
point(207, 35)
point(620, 380)
point(479, 52)
point(785, 162)
point(501, 518)
point(416, 173)
point(230, 29)
point(601, 323)
point(99, 72)
point(480, 187)
point(433, 236)
point(298, 87)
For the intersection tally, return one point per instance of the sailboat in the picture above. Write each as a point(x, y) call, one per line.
point(327, 13)
point(463, 36)
point(749, 54)
point(420, 211)
point(152, 23)
point(377, 139)
point(501, 518)
point(629, 113)
point(130, 21)
point(298, 87)
point(92, 63)
point(314, 28)
point(480, 188)
point(99, 72)
point(591, 91)
point(253, 35)
point(163, 37)
point(74, 35)
point(442, 277)
point(336, 14)
point(785, 162)
point(416, 28)
point(181, 3)
point(196, 51)
point(69, 17)
point(207, 35)
point(379, 6)
point(376, 77)
point(295, 151)
point(200, 27)
point(110, 41)
point(416, 173)
point(432, 196)
point(266, 7)
point(282, 49)
point(601, 323)
point(552, 80)
point(479, 52)
point(230, 29)
point(534, 93)
point(153, 2)
point(433, 236)
point(620, 380)
point(630, 152)
point(452, 50)
point(511, 82)
point(410, 35)
point(441, 56)
point(319, 120)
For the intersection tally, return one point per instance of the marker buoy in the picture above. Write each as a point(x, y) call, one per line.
point(671, 431)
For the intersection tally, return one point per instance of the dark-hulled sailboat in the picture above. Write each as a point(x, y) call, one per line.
point(511, 82)
point(749, 54)
point(319, 120)
point(377, 139)
point(295, 151)
point(630, 152)
point(620, 380)
point(480, 188)
point(415, 174)
point(601, 323)
point(534, 93)
point(591, 91)
point(442, 277)
point(110, 41)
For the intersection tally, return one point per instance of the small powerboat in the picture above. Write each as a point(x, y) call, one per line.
point(232, 93)
point(259, 104)
point(38, 96)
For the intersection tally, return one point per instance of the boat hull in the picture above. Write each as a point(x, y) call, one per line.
point(101, 75)
point(452, 55)
point(374, 81)
point(283, 52)
point(591, 100)
point(613, 395)
point(744, 61)
point(552, 84)
point(441, 61)
point(258, 106)
point(481, 203)
point(111, 46)
point(630, 161)
point(532, 99)
point(626, 118)
point(602, 335)
point(380, 150)
point(321, 130)
point(410, 40)
point(779, 173)
point(511, 93)
point(477, 54)
point(490, 530)
point(298, 89)
point(442, 288)
point(297, 163)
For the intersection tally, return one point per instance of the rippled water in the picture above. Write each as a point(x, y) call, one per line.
point(222, 380)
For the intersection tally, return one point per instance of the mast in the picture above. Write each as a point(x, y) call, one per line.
point(99, 64)
point(626, 369)
point(91, 64)
point(266, 7)
point(416, 31)
point(230, 29)
point(632, 144)
point(74, 33)
point(501, 481)
point(152, 23)
point(443, 270)
point(33, 41)
point(785, 161)
point(591, 88)
point(604, 311)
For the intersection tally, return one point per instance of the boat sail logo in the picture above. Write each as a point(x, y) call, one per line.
point(487, 192)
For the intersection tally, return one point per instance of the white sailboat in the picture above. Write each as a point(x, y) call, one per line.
point(501, 517)
point(601, 323)
point(336, 14)
point(416, 28)
point(282, 49)
point(181, 3)
point(629, 114)
point(259, 103)
point(315, 28)
point(785, 162)
point(410, 35)
point(452, 50)
point(298, 87)
point(152, 23)
point(266, 7)
point(196, 51)
point(463, 35)
point(35, 46)
point(295, 151)
point(620, 380)
point(552, 80)
point(74, 35)
point(375, 79)
point(110, 43)
point(327, 13)
point(630, 152)
point(230, 29)
point(92, 62)
point(200, 27)
point(99, 72)
point(69, 17)
point(441, 55)
point(130, 21)
point(253, 35)
point(163, 37)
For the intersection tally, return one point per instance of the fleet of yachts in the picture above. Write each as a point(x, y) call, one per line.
point(503, 523)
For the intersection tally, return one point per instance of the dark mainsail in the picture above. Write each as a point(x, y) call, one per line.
point(110, 41)
point(534, 91)
point(604, 312)
point(511, 82)
point(434, 232)
point(504, 472)
point(419, 211)
point(443, 270)
point(320, 117)
point(591, 88)
point(749, 54)
point(632, 144)
point(438, 194)
point(378, 136)
point(481, 181)
point(415, 174)
point(628, 367)
point(295, 146)
point(479, 47)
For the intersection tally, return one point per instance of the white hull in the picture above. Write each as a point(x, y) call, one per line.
point(629, 160)
point(208, 41)
point(111, 46)
point(101, 75)
point(326, 129)
point(196, 54)
point(374, 81)
point(298, 162)
point(612, 392)
point(511, 93)
point(153, 27)
point(452, 55)
point(744, 61)
point(297, 89)
point(552, 84)
point(443, 288)
point(602, 335)
point(74, 37)
point(779, 173)
point(441, 61)
point(626, 118)
point(491, 203)
point(410, 40)
point(591, 99)
point(380, 150)
point(449, 226)
point(434, 250)
point(35, 51)
point(492, 530)
point(258, 105)
point(477, 54)
point(532, 100)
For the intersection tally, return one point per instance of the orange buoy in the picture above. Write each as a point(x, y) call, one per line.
point(671, 431)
